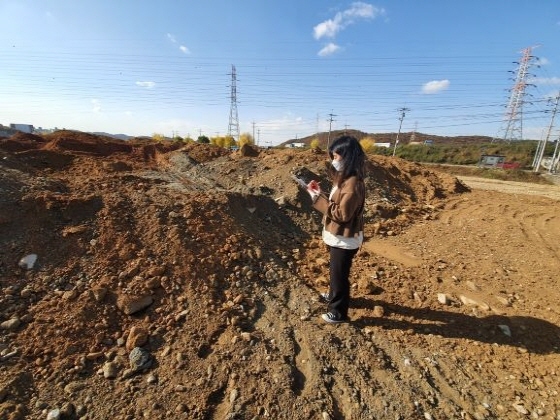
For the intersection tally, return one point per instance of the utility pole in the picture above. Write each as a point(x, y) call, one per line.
point(233, 127)
point(401, 118)
point(555, 158)
point(540, 148)
point(330, 120)
point(254, 133)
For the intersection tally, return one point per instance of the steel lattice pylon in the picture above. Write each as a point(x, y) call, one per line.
point(233, 127)
point(514, 115)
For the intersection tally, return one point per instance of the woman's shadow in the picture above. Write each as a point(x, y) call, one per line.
point(535, 335)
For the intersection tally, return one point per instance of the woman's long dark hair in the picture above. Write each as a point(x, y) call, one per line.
point(353, 158)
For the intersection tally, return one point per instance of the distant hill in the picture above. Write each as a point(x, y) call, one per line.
point(115, 136)
point(404, 138)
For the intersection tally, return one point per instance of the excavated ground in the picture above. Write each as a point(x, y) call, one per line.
point(182, 282)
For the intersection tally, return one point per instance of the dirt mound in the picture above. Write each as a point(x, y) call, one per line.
point(248, 150)
point(21, 141)
point(181, 281)
point(78, 142)
point(201, 153)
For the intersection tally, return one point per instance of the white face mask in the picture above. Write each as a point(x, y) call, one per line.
point(337, 164)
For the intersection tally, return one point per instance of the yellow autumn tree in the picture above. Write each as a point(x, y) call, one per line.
point(229, 141)
point(218, 141)
point(246, 138)
point(367, 143)
point(314, 143)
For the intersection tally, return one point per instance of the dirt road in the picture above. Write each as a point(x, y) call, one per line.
point(512, 187)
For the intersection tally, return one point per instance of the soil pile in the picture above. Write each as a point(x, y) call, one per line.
point(162, 280)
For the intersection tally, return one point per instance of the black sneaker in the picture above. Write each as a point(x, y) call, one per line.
point(332, 318)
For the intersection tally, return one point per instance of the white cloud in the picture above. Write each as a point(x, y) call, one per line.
point(361, 10)
point(328, 49)
point(435, 86)
point(545, 80)
point(96, 106)
point(288, 121)
point(173, 40)
point(327, 28)
point(542, 61)
point(146, 84)
point(358, 10)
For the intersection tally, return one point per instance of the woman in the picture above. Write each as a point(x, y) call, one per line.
point(343, 224)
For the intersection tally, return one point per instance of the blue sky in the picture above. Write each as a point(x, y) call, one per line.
point(140, 67)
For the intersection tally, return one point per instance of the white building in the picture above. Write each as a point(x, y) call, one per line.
point(295, 145)
point(24, 128)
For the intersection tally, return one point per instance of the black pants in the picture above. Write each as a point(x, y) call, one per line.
point(339, 293)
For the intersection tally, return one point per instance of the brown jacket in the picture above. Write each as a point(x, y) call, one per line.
point(343, 215)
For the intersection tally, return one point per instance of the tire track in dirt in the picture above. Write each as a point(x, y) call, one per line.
point(528, 219)
point(512, 187)
point(330, 372)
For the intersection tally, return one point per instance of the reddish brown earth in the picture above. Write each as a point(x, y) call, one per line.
point(180, 282)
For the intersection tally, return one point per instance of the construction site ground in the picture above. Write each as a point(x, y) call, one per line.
point(143, 280)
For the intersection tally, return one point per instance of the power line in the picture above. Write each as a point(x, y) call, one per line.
point(271, 84)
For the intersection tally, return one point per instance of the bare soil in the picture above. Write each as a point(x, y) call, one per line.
point(177, 281)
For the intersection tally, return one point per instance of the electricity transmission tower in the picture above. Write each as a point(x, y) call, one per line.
point(233, 127)
point(514, 115)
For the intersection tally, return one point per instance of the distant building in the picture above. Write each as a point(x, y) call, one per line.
point(491, 161)
point(292, 145)
point(420, 143)
point(24, 128)
point(382, 144)
point(6, 131)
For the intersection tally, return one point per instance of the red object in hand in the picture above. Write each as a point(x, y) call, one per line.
point(314, 186)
